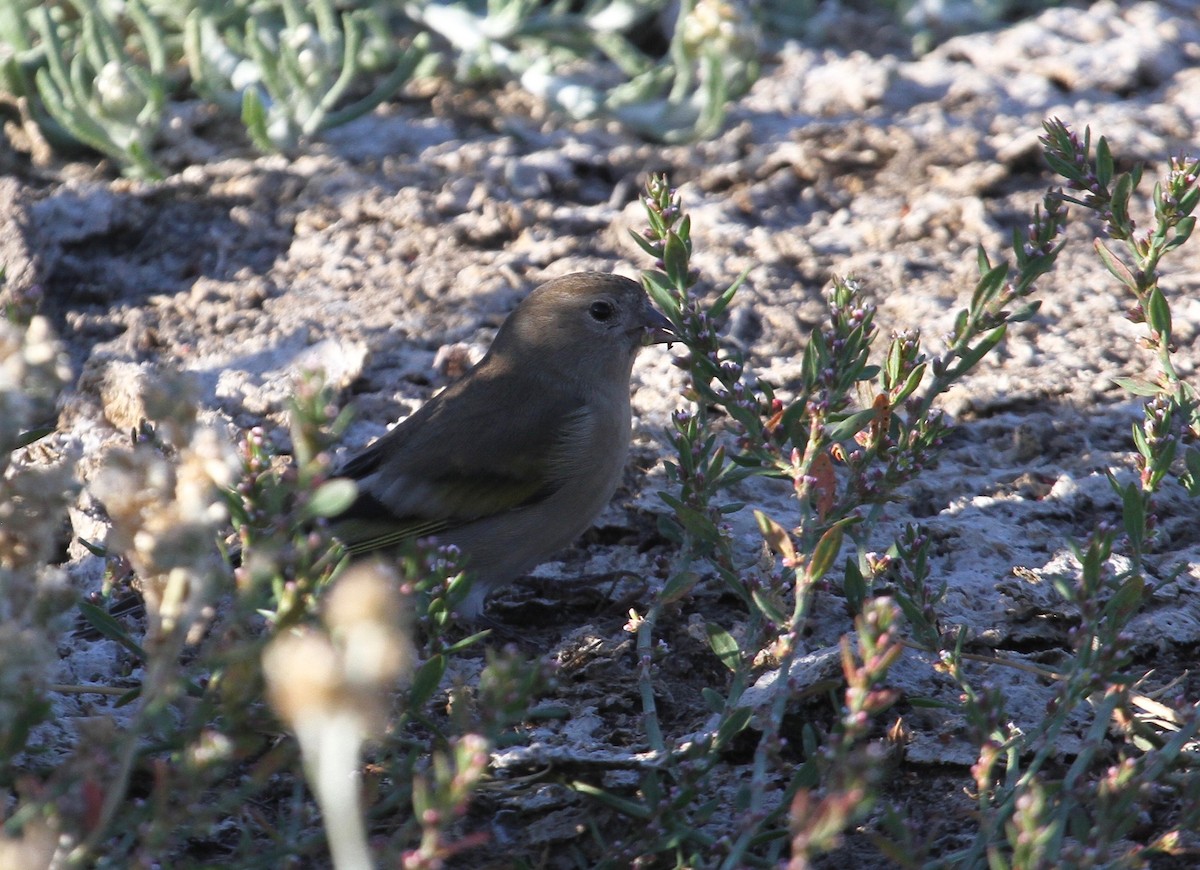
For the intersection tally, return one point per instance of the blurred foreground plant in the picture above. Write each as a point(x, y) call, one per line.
point(33, 593)
point(332, 687)
point(352, 660)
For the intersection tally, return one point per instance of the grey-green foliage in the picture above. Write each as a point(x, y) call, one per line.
point(99, 72)
point(33, 499)
point(289, 68)
point(21, 56)
point(587, 62)
point(16, 47)
point(933, 21)
point(713, 59)
point(107, 89)
point(104, 69)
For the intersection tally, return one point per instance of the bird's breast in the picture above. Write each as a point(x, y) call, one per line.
point(594, 457)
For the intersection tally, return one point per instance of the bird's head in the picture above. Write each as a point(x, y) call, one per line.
point(587, 323)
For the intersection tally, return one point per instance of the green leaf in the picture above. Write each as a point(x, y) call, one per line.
point(1191, 478)
point(815, 354)
point(549, 713)
point(895, 358)
point(403, 68)
point(1157, 198)
point(670, 529)
point(712, 699)
point(1140, 442)
point(254, 118)
point(331, 498)
point(960, 323)
point(1162, 464)
point(1128, 599)
point(698, 525)
point(470, 640)
point(1104, 163)
point(769, 607)
point(794, 422)
point(734, 725)
point(103, 622)
point(644, 243)
point(850, 426)
point(1183, 231)
point(1138, 386)
point(1025, 312)
point(675, 260)
point(1114, 265)
point(622, 805)
point(810, 773)
point(989, 284)
point(459, 584)
point(426, 681)
point(1040, 265)
point(1120, 201)
point(911, 609)
point(1189, 201)
point(724, 646)
point(1158, 313)
point(718, 307)
point(129, 697)
point(684, 231)
point(854, 586)
point(651, 787)
point(29, 436)
point(1135, 175)
point(824, 553)
point(910, 385)
point(743, 797)
point(971, 356)
point(1061, 167)
point(658, 286)
point(1133, 512)
point(678, 586)
point(95, 549)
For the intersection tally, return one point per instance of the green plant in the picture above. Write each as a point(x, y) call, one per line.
point(100, 74)
point(854, 431)
point(773, 765)
point(852, 435)
point(106, 91)
point(33, 593)
point(326, 646)
point(713, 60)
point(289, 69)
point(1172, 414)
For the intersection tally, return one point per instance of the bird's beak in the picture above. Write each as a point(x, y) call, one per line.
point(658, 330)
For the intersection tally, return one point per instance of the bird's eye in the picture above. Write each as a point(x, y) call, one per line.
point(601, 311)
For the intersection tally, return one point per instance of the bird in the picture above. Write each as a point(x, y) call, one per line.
point(514, 460)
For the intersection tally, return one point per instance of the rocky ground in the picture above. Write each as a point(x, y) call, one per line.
point(423, 224)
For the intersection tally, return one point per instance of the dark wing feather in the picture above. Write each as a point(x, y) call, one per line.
point(464, 455)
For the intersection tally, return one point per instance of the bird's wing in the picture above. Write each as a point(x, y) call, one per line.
point(458, 460)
